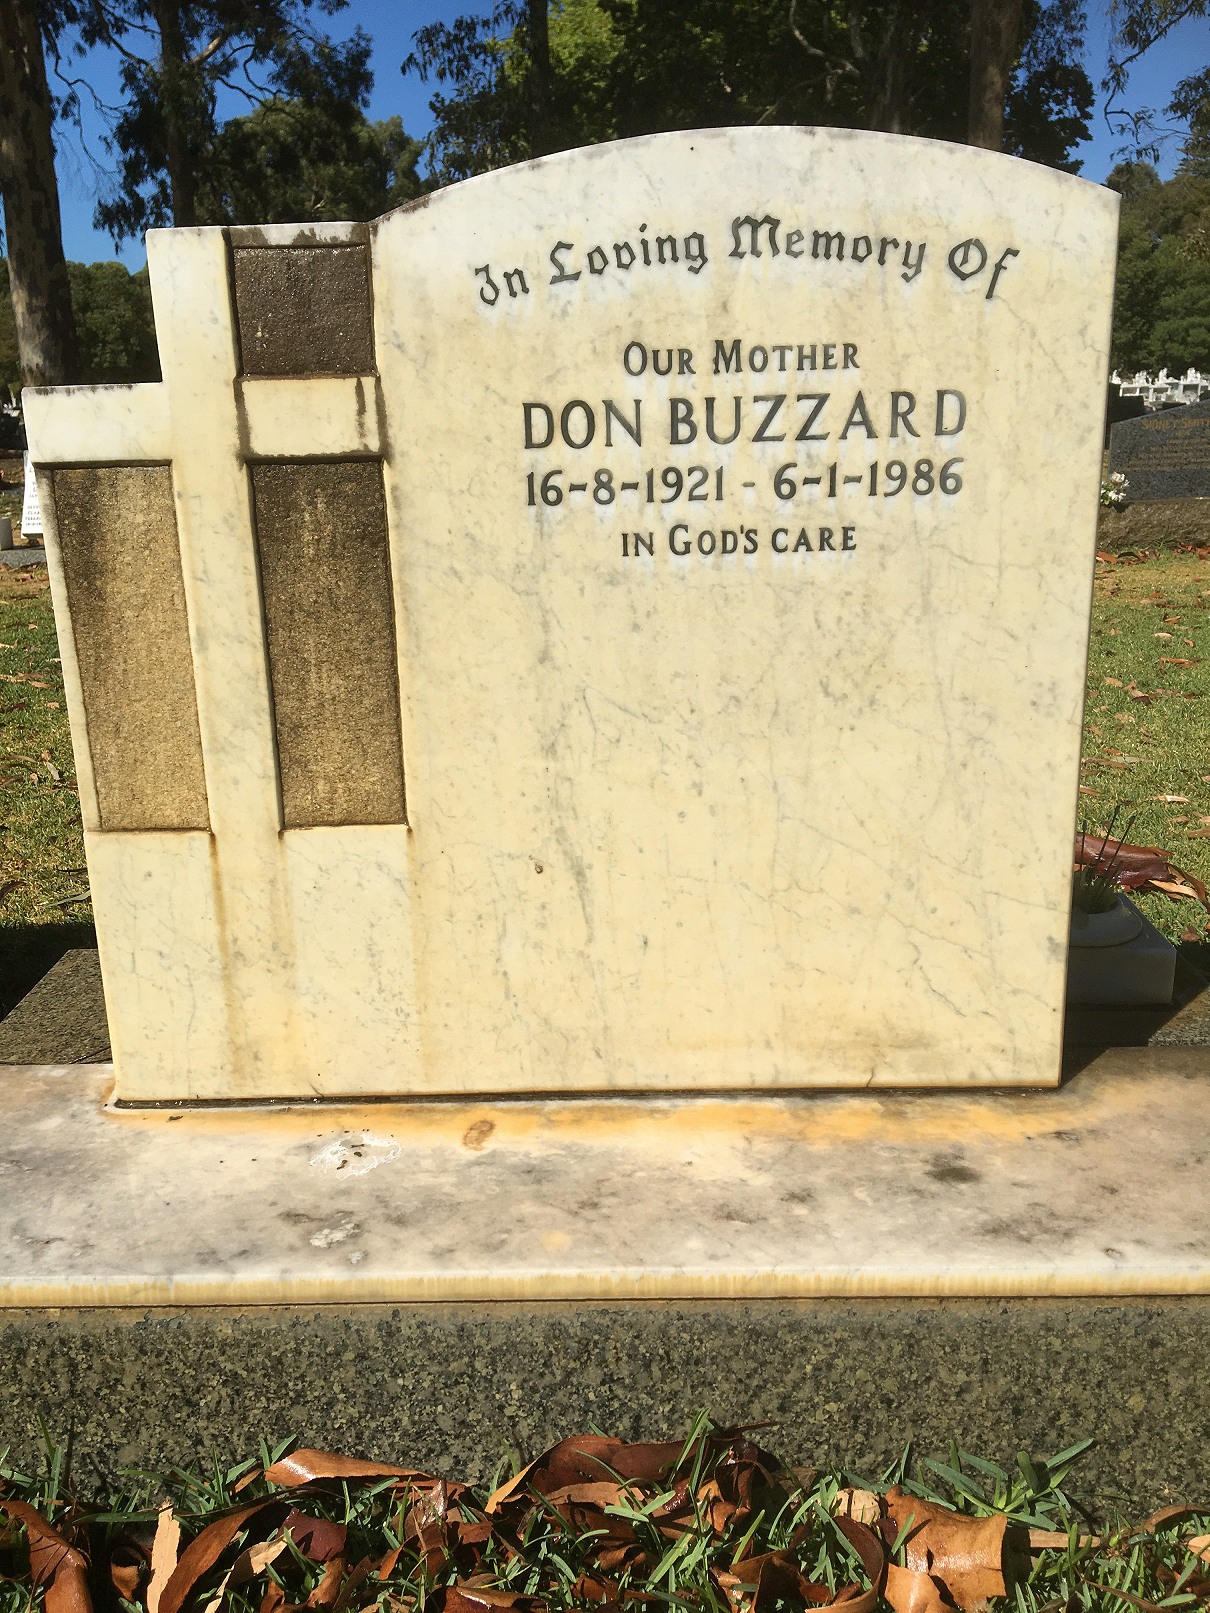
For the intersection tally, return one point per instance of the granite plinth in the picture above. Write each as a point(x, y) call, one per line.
point(1165, 454)
point(61, 1020)
point(452, 1388)
point(1138, 970)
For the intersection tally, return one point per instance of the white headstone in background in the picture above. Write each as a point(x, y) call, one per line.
point(31, 511)
point(739, 493)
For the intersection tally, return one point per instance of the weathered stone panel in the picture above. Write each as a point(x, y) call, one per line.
point(118, 537)
point(326, 578)
point(303, 310)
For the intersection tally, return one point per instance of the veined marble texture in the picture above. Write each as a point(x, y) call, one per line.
point(1093, 1189)
point(741, 492)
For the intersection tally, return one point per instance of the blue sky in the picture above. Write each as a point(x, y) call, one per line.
point(84, 165)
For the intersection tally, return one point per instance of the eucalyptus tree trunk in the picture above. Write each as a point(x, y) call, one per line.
point(542, 133)
point(176, 90)
point(46, 327)
point(995, 37)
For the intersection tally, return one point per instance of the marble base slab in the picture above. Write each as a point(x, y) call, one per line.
point(1094, 1189)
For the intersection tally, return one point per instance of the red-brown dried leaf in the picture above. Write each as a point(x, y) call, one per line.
point(316, 1538)
point(583, 1507)
point(727, 1497)
point(965, 1554)
point(588, 1588)
point(327, 1589)
point(1133, 867)
point(867, 1545)
point(907, 1590)
point(773, 1576)
point(52, 1562)
point(301, 1467)
point(473, 1531)
point(1171, 1514)
point(614, 1560)
point(463, 1598)
point(201, 1554)
point(127, 1565)
point(584, 1459)
point(351, 1583)
point(427, 1525)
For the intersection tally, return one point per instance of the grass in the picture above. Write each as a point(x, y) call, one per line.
point(676, 1536)
point(1146, 749)
point(44, 903)
point(1147, 720)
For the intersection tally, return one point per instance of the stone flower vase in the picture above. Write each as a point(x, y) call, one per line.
point(1112, 929)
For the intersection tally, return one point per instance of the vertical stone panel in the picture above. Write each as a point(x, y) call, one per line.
point(321, 532)
point(122, 566)
point(303, 310)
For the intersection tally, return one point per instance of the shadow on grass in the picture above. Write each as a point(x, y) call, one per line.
point(29, 951)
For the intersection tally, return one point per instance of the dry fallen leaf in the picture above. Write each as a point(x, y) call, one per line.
point(202, 1552)
point(908, 1590)
point(316, 1538)
point(126, 1568)
point(253, 1560)
point(965, 1554)
point(164, 1551)
point(52, 1562)
point(302, 1466)
point(1171, 888)
point(1200, 1547)
point(863, 1505)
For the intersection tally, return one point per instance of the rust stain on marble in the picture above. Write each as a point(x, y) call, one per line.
point(695, 1124)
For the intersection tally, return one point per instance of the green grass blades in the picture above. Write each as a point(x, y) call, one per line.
point(1147, 721)
point(403, 1545)
point(44, 900)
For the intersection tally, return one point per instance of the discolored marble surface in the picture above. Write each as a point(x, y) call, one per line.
point(738, 584)
point(1096, 1189)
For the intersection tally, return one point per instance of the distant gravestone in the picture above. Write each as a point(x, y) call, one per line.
point(1166, 454)
point(31, 510)
point(616, 623)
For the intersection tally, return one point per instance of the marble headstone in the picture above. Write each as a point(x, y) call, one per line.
point(1165, 454)
point(619, 622)
point(31, 511)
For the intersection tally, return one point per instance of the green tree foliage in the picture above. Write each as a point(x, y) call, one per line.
point(1138, 25)
point(629, 67)
point(113, 324)
point(305, 151)
point(1162, 304)
point(310, 154)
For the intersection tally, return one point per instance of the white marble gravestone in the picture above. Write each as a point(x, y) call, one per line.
point(616, 623)
point(31, 513)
